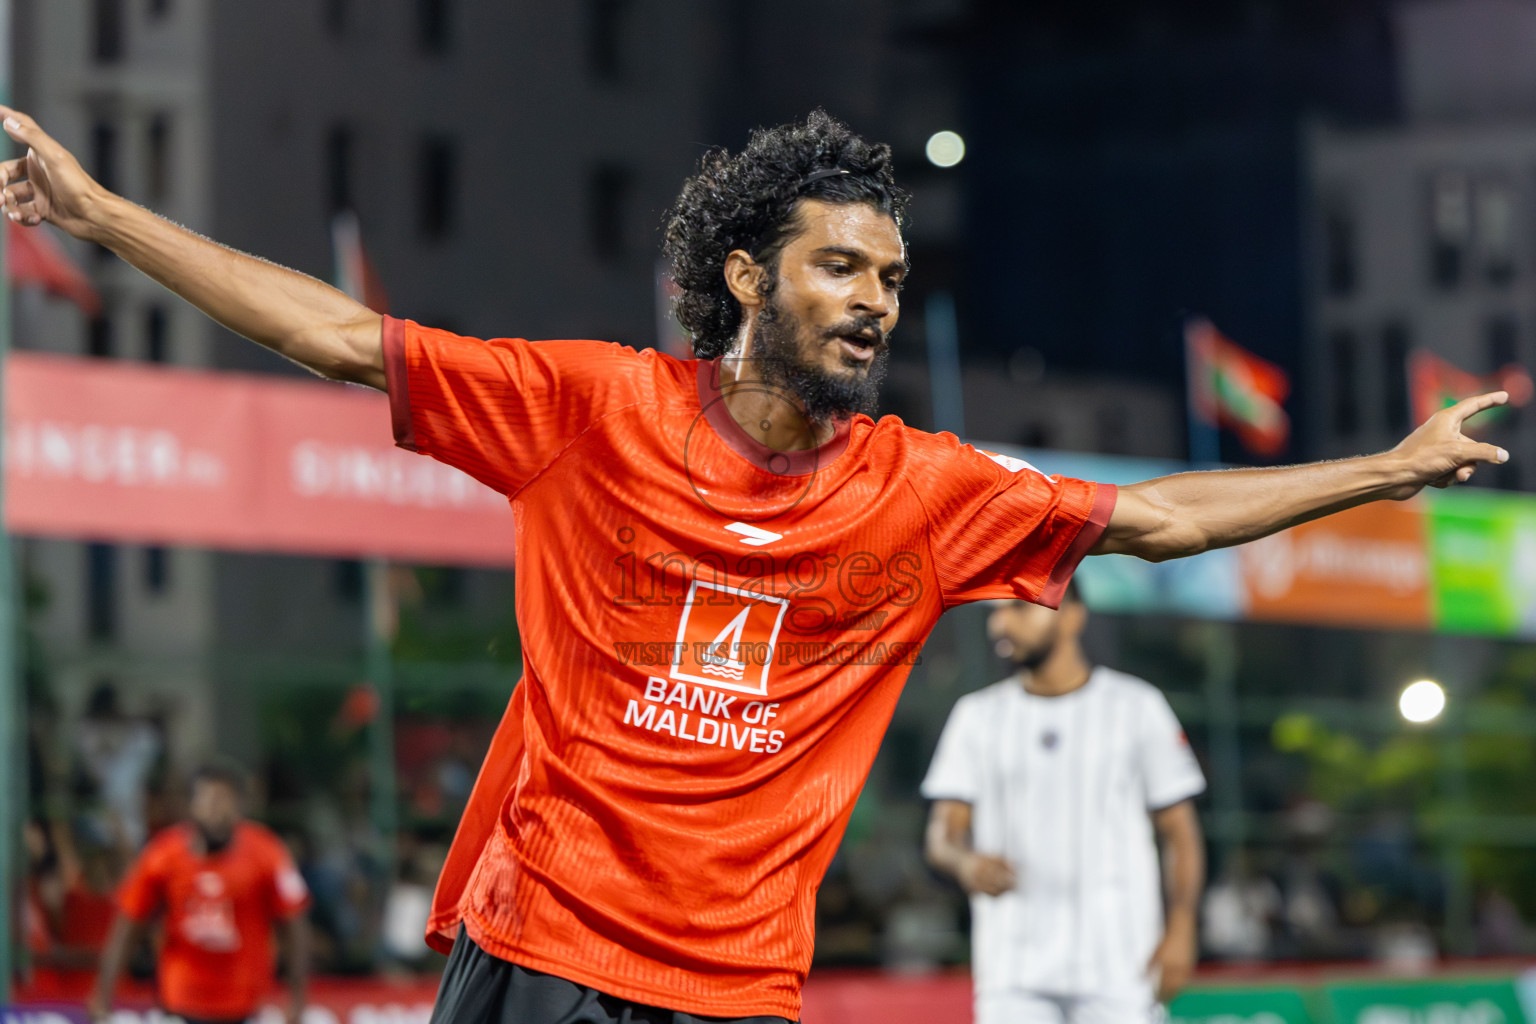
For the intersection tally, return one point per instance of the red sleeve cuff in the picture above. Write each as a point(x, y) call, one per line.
point(397, 380)
point(1087, 536)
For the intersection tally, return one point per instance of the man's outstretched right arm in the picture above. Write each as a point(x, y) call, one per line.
point(293, 314)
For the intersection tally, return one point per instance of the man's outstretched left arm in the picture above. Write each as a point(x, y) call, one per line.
point(1187, 513)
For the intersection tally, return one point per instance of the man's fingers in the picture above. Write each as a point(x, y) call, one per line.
point(18, 125)
point(1468, 407)
point(13, 170)
point(1491, 453)
point(25, 131)
point(19, 193)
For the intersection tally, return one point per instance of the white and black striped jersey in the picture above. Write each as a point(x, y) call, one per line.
point(1063, 788)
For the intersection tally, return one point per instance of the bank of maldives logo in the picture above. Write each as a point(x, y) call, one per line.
point(726, 637)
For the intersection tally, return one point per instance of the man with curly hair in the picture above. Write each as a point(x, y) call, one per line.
point(725, 567)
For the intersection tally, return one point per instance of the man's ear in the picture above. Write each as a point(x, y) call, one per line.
point(746, 278)
point(1076, 617)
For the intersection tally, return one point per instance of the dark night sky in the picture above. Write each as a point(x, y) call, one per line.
point(1137, 162)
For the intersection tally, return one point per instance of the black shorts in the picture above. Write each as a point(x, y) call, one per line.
point(478, 988)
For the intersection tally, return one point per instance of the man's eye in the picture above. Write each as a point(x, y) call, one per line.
point(838, 268)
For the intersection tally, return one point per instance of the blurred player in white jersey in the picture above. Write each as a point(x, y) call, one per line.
point(1051, 790)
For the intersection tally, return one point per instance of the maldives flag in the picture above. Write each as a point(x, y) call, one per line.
point(354, 270)
point(1434, 384)
point(1233, 388)
point(34, 257)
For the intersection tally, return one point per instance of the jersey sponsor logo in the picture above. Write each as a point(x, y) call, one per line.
point(725, 637)
point(754, 536)
point(208, 918)
point(1010, 463)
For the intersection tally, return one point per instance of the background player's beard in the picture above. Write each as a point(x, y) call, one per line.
point(214, 842)
point(825, 395)
point(1032, 658)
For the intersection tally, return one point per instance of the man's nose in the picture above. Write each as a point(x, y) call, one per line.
point(872, 298)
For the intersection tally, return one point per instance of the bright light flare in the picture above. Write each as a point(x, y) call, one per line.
point(1421, 701)
point(945, 149)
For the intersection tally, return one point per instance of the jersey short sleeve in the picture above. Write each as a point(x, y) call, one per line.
point(141, 895)
point(955, 772)
point(1168, 765)
point(1000, 528)
point(289, 895)
point(499, 410)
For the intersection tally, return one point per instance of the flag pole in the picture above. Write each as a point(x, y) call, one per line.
point(944, 375)
point(1204, 442)
point(13, 744)
point(378, 632)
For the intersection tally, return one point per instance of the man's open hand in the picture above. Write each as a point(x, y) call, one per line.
point(981, 873)
point(1439, 454)
point(47, 183)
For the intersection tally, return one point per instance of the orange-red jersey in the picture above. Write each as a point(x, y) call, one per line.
point(714, 636)
point(216, 960)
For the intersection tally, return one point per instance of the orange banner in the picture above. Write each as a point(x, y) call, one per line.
point(119, 451)
point(1367, 566)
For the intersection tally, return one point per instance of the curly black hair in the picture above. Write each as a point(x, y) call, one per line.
point(747, 202)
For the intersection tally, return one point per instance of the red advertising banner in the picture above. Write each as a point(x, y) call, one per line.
point(1365, 566)
point(120, 451)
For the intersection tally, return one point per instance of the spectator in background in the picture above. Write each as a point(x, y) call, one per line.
point(1240, 910)
point(408, 904)
point(221, 883)
point(64, 921)
point(1051, 789)
point(1312, 894)
point(117, 754)
point(1500, 929)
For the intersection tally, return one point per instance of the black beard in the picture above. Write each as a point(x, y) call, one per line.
point(825, 396)
point(1031, 660)
point(213, 844)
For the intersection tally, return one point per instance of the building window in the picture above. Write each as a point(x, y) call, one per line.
point(156, 331)
point(1346, 382)
point(432, 25)
point(1112, 424)
point(157, 570)
point(338, 168)
point(1502, 337)
point(104, 154)
point(608, 190)
point(605, 36)
point(347, 580)
point(334, 15)
point(101, 591)
point(1339, 256)
point(1496, 230)
point(1450, 225)
point(107, 31)
point(98, 337)
point(436, 187)
point(157, 171)
point(1394, 376)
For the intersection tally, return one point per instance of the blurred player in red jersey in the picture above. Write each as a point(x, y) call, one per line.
point(220, 884)
point(725, 567)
